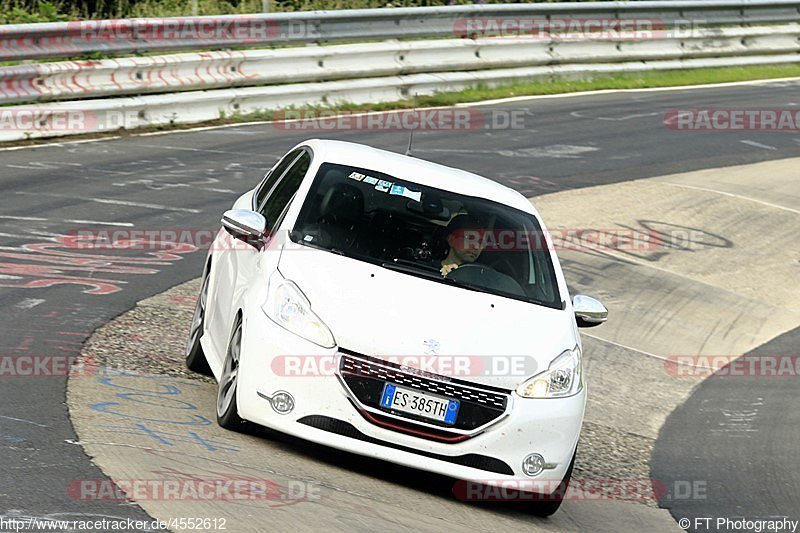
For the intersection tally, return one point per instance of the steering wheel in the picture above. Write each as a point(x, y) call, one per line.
point(486, 276)
point(469, 266)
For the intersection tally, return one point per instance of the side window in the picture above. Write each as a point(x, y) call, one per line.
point(284, 191)
point(273, 177)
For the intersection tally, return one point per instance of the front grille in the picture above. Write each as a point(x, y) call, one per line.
point(370, 367)
point(366, 376)
point(345, 429)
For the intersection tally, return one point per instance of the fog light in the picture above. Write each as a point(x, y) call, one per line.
point(533, 464)
point(282, 402)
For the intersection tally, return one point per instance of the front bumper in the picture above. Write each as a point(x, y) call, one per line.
point(326, 413)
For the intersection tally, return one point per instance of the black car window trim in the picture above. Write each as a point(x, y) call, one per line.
point(256, 206)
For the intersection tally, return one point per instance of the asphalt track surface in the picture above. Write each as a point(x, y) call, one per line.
point(738, 438)
point(52, 297)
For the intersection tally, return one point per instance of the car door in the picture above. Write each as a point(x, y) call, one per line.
point(252, 262)
point(225, 284)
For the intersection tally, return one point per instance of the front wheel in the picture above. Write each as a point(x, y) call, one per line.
point(227, 410)
point(195, 358)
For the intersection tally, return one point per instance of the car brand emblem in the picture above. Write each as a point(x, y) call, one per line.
point(431, 347)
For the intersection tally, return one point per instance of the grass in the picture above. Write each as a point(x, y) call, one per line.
point(24, 11)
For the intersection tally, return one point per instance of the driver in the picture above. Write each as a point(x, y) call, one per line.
point(465, 239)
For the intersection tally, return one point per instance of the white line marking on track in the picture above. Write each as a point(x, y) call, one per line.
point(146, 206)
point(101, 223)
point(29, 303)
point(28, 219)
point(578, 114)
point(23, 420)
point(207, 128)
point(758, 145)
point(557, 151)
point(115, 202)
point(732, 195)
point(648, 354)
point(73, 221)
point(48, 145)
point(23, 236)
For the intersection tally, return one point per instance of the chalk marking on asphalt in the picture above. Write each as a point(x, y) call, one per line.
point(758, 145)
point(732, 195)
point(83, 444)
point(25, 421)
point(510, 99)
point(114, 202)
point(29, 303)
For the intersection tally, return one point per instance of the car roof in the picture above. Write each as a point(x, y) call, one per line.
point(417, 171)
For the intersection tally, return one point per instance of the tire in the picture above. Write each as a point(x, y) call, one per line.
point(547, 505)
point(227, 409)
point(195, 357)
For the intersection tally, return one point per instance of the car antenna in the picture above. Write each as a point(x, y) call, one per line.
point(411, 130)
point(410, 139)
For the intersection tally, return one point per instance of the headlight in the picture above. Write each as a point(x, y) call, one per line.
point(288, 307)
point(561, 379)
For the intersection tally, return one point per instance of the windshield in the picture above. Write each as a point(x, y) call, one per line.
point(439, 235)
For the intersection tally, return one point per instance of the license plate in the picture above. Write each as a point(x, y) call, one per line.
point(419, 403)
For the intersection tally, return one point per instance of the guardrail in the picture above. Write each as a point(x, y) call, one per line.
point(210, 70)
point(205, 86)
point(120, 37)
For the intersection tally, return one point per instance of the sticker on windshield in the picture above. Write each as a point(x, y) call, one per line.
point(399, 190)
point(308, 238)
point(383, 186)
point(370, 180)
point(356, 176)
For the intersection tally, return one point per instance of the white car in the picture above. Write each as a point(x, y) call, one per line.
point(400, 309)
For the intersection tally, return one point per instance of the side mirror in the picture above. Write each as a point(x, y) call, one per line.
point(245, 225)
point(588, 311)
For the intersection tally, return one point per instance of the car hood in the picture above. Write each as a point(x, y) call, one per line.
point(382, 313)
